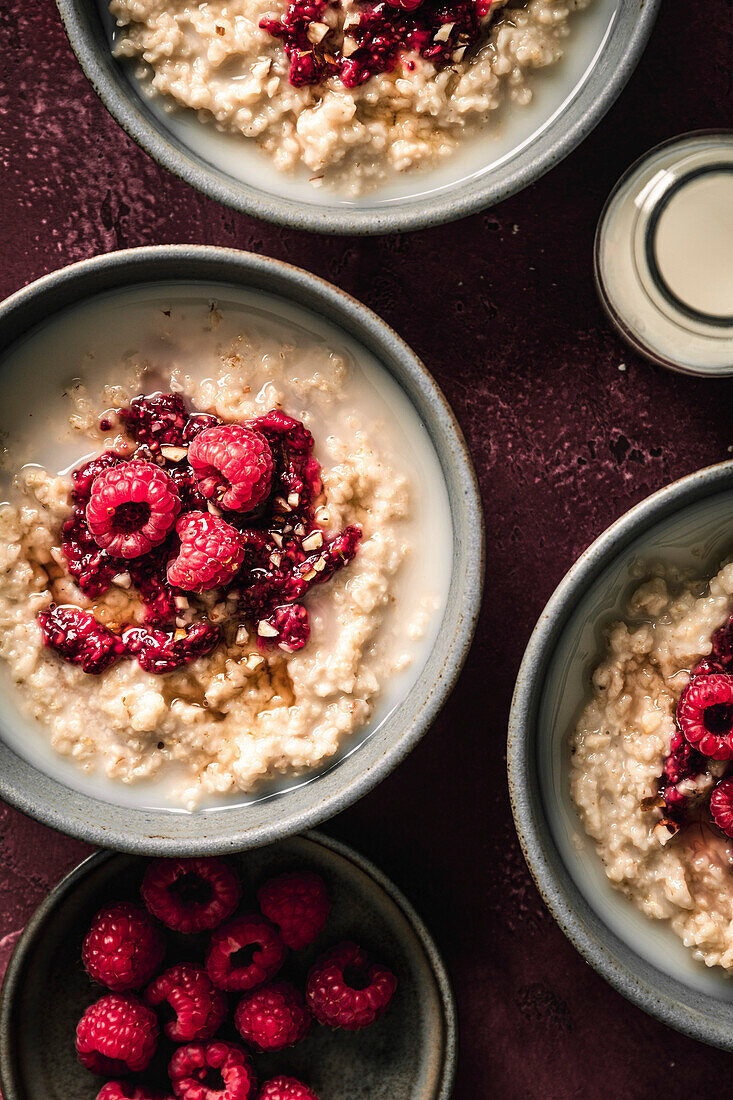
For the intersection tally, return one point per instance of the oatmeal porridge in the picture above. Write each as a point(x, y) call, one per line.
point(208, 593)
point(651, 758)
point(350, 91)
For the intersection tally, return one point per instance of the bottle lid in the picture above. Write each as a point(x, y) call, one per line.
point(664, 254)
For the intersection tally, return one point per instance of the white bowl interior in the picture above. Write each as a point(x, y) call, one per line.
point(697, 537)
point(512, 131)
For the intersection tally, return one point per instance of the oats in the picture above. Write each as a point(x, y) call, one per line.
point(261, 68)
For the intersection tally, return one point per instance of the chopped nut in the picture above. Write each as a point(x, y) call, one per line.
point(319, 565)
point(181, 602)
point(275, 560)
point(254, 660)
point(220, 30)
point(314, 541)
point(310, 575)
point(214, 510)
point(277, 539)
point(655, 802)
point(294, 499)
point(664, 830)
point(265, 630)
point(180, 634)
point(261, 68)
point(351, 20)
point(443, 32)
point(174, 454)
point(282, 504)
point(122, 580)
point(349, 46)
point(457, 55)
point(299, 529)
point(317, 32)
point(242, 636)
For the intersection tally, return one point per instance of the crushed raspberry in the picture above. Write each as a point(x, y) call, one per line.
point(287, 627)
point(721, 806)
point(79, 638)
point(131, 509)
point(298, 905)
point(212, 1071)
point(438, 31)
point(125, 1090)
point(211, 553)
point(244, 953)
point(345, 990)
point(285, 1088)
point(117, 1035)
point(123, 948)
point(683, 762)
point(198, 1008)
point(721, 656)
point(705, 715)
point(233, 466)
point(162, 651)
point(272, 1017)
point(190, 895)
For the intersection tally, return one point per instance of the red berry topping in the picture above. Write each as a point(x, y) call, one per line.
point(721, 806)
point(79, 638)
point(298, 905)
point(705, 715)
point(123, 948)
point(211, 552)
point(198, 1008)
point(285, 1088)
point(244, 953)
point(212, 1071)
point(161, 651)
point(117, 1035)
point(343, 990)
point(132, 508)
point(272, 1017)
point(233, 466)
point(190, 895)
point(125, 1090)
point(291, 627)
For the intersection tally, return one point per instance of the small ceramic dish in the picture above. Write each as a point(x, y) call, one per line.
point(56, 791)
point(687, 524)
point(569, 100)
point(408, 1054)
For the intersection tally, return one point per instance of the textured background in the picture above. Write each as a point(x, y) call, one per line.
point(567, 428)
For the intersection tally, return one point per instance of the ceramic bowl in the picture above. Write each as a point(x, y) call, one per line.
point(687, 524)
point(569, 103)
point(365, 760)
point(408, 1054)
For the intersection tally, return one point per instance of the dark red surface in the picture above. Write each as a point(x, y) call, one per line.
point(567, 427)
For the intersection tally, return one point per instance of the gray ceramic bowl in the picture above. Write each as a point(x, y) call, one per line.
point(689, 524)
point(566, 119)
point(409, 1054)
point(319, 796)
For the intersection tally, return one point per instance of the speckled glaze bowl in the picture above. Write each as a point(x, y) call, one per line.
point(689, 525)
point(408, 1054)
point(313, 798)
point(432, 201)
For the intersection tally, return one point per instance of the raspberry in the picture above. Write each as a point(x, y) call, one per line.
point(123, 948)
point(721, 806)
point(117, 1035)
point(211, 552)
point(298, 905)
point(212, 1071)
point(285, 1088)
point(272, 1017)
point(343, 990)
point(705, 715)
point(190, 895)
point(159, 418)
point(233, 466)
point(78, 637)
point(132, 508)
point(161, 651)
point(291, 626)
point(198, 1008)
point(124, 1090)
point(244, 953)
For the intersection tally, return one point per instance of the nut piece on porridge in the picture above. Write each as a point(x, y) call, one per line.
point(350, 89)
point(652, 758)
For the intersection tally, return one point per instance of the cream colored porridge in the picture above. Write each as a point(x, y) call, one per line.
point(251, 708)
point(642, 795)
point(360, 116)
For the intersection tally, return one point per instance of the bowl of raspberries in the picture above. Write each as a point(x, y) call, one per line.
point(292, 972)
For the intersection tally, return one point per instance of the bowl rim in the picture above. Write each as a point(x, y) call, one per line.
point(658, 994)
point(457, 201)
point(83, 815)
point(14, 974)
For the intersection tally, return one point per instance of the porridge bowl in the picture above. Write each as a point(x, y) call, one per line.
point(349, 117)
point(242, 550)
point(623, 840)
